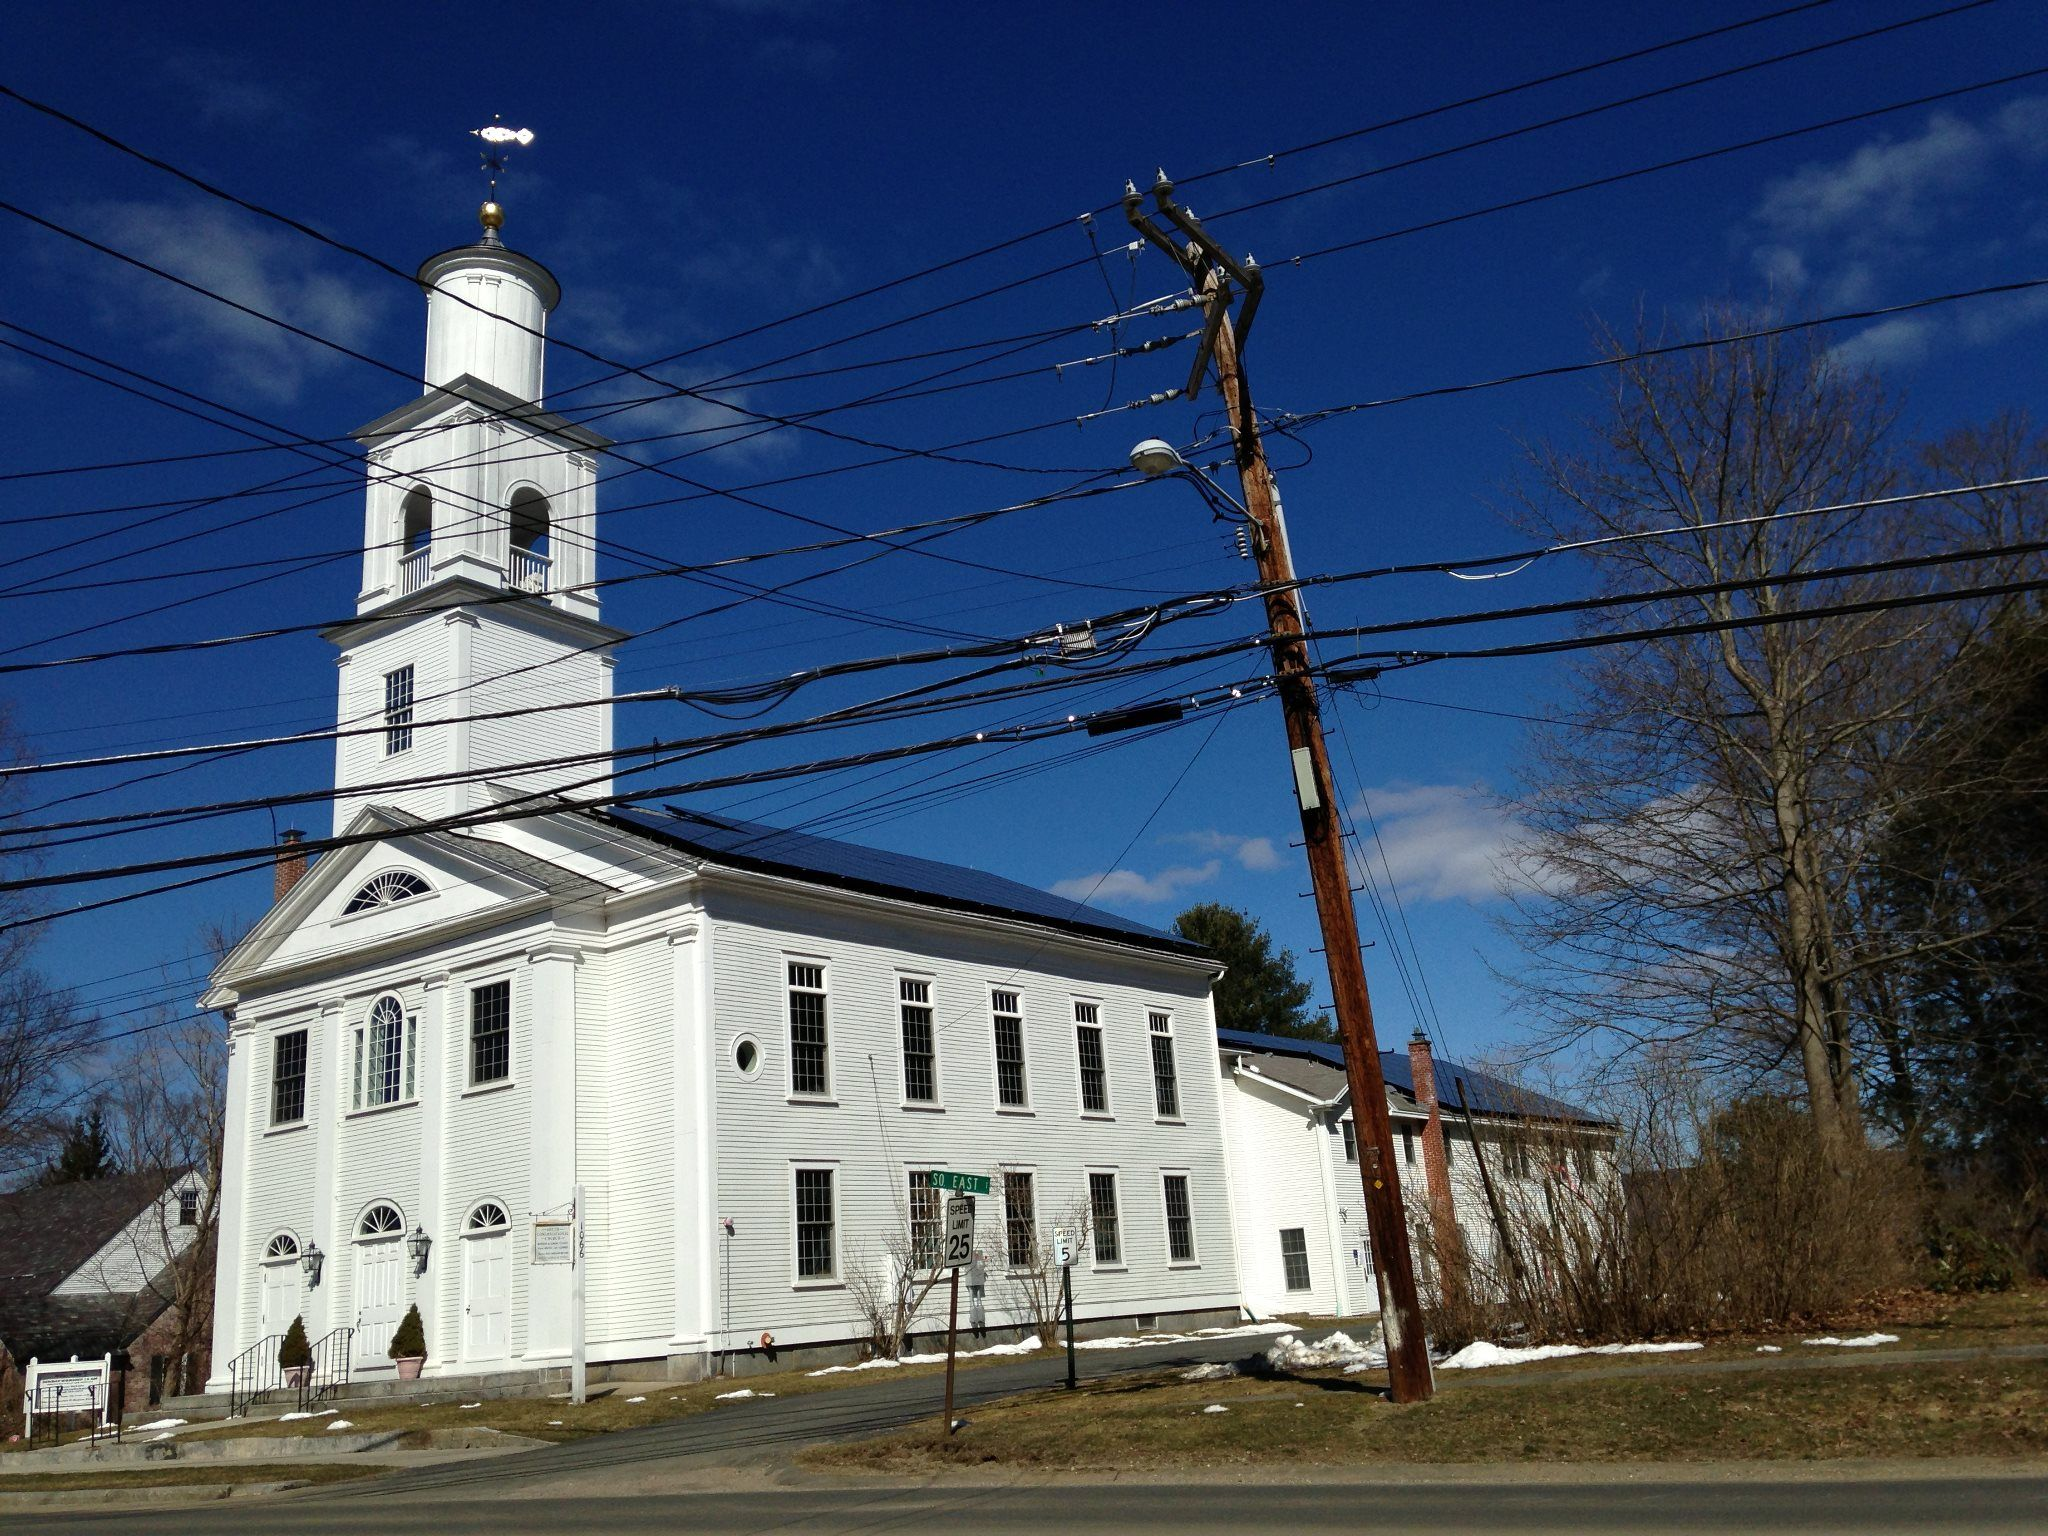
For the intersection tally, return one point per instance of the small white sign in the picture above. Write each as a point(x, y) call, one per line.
point(959, 1231)
point(1062, 1247)
point(554, 1242)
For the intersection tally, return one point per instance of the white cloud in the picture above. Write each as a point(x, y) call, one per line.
point(1899, 215)
point(1441, 842)
point(1129, 885)
point(1254, 853)
point(230, 254)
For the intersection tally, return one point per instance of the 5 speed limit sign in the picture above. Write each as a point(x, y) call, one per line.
point(959, 1231)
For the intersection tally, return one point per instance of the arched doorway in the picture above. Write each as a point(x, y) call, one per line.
point(486, 1283)
point(278, 1289)
point(380, 1282)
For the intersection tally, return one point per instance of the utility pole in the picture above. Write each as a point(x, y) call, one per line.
point(1212, 273)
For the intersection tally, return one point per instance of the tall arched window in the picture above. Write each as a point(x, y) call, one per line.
point(528, 518)
point(386, 1050)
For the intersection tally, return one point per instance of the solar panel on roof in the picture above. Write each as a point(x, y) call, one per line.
point(824, 858)
point(1484, 1093)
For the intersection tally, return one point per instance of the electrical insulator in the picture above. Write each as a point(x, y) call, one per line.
point(1244, 545)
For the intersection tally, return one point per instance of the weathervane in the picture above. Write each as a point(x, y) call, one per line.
point(499, 142)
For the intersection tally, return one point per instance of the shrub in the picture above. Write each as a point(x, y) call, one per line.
point(410, 1342)
point(1964, 1259)
point(293, 1349)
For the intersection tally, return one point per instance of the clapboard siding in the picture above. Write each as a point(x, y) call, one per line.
point(640, 1089)
point(485, 1143)
point(1277, 1151)
point(869, 1135)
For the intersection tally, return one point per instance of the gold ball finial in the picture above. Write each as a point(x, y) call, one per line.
point(491, 216)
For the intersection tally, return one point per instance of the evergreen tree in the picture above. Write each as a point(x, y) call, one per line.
point(1260, 991)
point(87, 1153)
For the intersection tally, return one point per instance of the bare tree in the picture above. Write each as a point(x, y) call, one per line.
point(46, 1040)
point(889, 1287)
point(1691, 871)
point(1035, 1288)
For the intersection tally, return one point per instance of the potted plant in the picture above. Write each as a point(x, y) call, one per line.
point(295, 1355)
point(409, 1345)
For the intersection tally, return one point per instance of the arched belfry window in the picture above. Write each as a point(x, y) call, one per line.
point(394, 885)
point(415, 538)
point(380, 1220)
point(528, 519)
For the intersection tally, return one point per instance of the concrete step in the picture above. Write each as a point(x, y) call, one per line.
point(533, 1383)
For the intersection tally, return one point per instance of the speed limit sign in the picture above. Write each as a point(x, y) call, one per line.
point(959, 1231)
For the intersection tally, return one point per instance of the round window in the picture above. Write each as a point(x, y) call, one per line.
point(746, 1056)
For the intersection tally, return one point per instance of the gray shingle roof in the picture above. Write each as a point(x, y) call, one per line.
point(1486, 1094)
point(46, 1233)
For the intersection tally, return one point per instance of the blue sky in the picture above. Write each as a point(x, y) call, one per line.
point(702, 169)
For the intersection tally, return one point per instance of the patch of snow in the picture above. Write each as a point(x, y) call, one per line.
point(1861, 1341)
point(1215, 1408)
point(472, 1405)
point(1207, 1372)
point(1021, 1347)
point(1480, 1354)
point(166, 1435)
point(726, 1397)
point(162, 1424)
point(1769, 1349)
point(1291, 1352)
point(555, 1423)
point(1241, 1331)
point(636, 1399)
point(340, 1424)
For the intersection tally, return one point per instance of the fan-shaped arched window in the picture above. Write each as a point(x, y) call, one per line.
point(282, 1246)
point(380, 1220)
point(487, 1217)
point(386, 1054)
point(394, 885)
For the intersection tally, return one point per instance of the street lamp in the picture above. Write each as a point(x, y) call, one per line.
point(1156, 459)
point(310, 1261)
point(418, 1246)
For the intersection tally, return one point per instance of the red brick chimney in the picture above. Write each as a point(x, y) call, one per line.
point(1436, 1167)
point(291, 863)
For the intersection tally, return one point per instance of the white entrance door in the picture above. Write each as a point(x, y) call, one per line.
point(486, 1295)
point(380, 1290)
point(280, 1298)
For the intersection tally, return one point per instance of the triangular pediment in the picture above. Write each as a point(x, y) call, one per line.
point(411, 887)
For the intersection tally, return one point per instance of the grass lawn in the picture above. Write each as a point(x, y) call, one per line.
point(1935, 1409)
point(175, 1476)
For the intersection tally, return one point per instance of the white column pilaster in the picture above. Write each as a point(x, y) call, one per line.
point(551, 1135)
point(436, 1080)
point(326, 1224)
point(234, 1265)
point(690, 1070)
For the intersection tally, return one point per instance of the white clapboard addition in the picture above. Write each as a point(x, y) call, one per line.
point(748, 1047)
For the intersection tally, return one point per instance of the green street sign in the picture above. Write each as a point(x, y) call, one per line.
point(962, 1183)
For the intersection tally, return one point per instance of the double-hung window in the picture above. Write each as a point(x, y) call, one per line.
point(1012, 1090)
point(398, 710)
point(810, 1071)
point(1350, 1133)
point(817, 1255)
point(1408, 1145)
point(1102, 1213)
point(1180, 1219)
point(385, 1055)
point(490, 1033)
point(920, 1047)
point(1294, 1257)
point(927, 1222)
point(288, 1078)
point(1165, 1078)
point(1020, 1220)
point(1094, 1066)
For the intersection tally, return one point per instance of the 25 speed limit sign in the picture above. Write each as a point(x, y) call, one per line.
point(959, 1231)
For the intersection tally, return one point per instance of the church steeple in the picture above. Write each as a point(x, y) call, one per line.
point(477, 493)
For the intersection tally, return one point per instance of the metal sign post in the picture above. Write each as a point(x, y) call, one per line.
point(959, 1252)
point(1063, 1255)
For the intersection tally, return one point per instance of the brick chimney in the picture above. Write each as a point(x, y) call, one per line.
point(1436, 1166)
point(291, 863)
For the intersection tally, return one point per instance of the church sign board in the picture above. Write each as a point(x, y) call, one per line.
point(554, 1240)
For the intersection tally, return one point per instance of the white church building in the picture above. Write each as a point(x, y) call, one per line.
point(747, 1046)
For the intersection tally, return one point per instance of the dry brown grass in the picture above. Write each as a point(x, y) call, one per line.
point(1975, 1409)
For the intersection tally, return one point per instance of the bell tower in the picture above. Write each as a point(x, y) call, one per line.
point(479, 564)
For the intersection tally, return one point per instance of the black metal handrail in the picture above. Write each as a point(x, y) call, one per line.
point(54, 1399)
point(253, 1372)
point(332, 1358)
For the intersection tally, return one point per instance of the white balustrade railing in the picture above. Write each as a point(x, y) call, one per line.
point(529, 571)
point(412, 571)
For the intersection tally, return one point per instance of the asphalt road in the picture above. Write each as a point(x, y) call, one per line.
point(1988, 1505)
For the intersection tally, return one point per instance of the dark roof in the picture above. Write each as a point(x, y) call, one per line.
point(1325, 1082)
point(46, 1233)
point(555, 879)
point(1484, 1093)
point(850, 866)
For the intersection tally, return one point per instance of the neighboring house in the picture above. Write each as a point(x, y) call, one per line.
point(84, 1272)
point(1295, 1182)
point(748, 1047)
